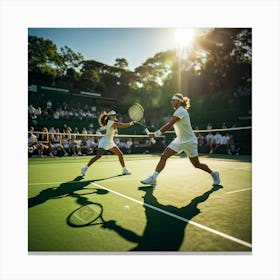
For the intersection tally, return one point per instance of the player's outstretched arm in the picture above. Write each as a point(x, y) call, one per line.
point(123, 125)
point(165, 127)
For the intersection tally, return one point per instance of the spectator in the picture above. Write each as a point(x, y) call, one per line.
point(76, 130)
point(65, 142)
point(74, 146)
point(56, 115)
point(84, 131)
point(84, 145)
point(200, 139)
point(129, 145)
point(49, 104)
point(232, 147)
point(122, 145)
point(209, 139)
point(225, 139)
point(57, 144)
point(91, 144)
point(32, 143)
point(216, 142)
point(117, 141)
point(52, 131)
point(44, 144)
point(31, 109)
point(209, 126)
point(38, 112)
point(64, 127)
point(98, 132)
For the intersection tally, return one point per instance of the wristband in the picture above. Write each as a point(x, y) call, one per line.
point(158, 133)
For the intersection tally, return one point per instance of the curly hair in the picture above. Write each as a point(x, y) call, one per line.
point(103, 119)
point(186, 104)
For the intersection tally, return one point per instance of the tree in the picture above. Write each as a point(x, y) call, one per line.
point(121, 63)
point(49, 65)
point(70, 59)
point(42, 55)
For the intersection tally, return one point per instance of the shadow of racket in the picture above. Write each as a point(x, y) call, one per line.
point(89, 214)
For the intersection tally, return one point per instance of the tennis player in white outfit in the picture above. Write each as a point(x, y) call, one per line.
point(185, 141)
point(109, 121)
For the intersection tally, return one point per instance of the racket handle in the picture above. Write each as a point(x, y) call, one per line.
point(151, 139)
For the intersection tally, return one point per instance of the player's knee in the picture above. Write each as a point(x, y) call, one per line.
point(98, 156)
point(163, 157)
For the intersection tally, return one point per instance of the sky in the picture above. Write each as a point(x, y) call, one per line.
point(107, 44)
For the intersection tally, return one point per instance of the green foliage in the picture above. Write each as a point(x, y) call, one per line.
point(219, 61)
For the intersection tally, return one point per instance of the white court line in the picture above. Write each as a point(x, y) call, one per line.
point(243, 190)
point(224, 235)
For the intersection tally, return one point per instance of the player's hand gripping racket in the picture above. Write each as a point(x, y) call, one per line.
point(136, 113)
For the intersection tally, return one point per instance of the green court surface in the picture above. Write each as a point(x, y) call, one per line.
point(183, 213)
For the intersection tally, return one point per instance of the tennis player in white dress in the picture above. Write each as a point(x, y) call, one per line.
point(106, 143)
point(185, 141)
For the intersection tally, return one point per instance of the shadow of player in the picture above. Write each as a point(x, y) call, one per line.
point(65, 189)
point(162, 232)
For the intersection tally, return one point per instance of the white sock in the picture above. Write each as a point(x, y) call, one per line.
point(155, 174)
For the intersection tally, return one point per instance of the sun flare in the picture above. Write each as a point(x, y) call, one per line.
point(184, 37)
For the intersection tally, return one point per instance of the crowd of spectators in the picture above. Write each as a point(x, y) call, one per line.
point(63, 111)
point(53, 142)
point(67, 141)
point(71, 142)
point(217, 141)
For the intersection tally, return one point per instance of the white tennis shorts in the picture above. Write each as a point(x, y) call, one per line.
point(190, 148)
point(106, 144)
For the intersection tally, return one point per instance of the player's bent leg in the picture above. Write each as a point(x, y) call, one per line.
point(165, 155)
point(197, 164)
point(100, 152)
point(98, 155)
point(118, 152)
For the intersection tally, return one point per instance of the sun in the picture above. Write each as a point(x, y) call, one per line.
point(184, 36)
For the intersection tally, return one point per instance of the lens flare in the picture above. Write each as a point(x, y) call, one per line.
point(184, 37)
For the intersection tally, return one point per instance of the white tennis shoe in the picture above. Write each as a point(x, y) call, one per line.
point(126, 172)
point(216, 178)
point(149, 181)
point(84, 170)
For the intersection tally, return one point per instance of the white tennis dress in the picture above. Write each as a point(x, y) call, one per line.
point(186, 140)
point(107, 142)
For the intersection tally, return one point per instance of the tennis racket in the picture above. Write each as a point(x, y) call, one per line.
point(86, 215)
point(136, 113)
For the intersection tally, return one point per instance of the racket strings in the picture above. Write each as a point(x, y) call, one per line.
point(136, 112)
point(85, 215)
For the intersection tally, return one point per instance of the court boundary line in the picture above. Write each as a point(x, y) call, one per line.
point(224, 235)
point(242, 190)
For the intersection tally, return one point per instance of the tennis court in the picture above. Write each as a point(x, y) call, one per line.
point(184, 212)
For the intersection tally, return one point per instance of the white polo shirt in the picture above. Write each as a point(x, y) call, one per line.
point(182, 127)
point(218, 138)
